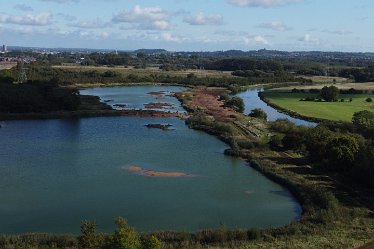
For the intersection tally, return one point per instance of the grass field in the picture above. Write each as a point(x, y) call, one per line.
point(323, 110)
point(145, 71)
point(358, 86)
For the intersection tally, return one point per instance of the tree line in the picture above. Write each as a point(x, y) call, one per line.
point(342, 147)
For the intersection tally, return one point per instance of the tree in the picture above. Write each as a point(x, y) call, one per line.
point(316, 143)
point(330, 93)
point(88, 239)
point(342, 151)
point(151, 243)
point(236, 103)
point(258, 113)
point(363, 119)
point(125, 237)
point(293, 141)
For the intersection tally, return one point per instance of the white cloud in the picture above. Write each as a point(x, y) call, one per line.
point(202, 19)
point(261, 3)
point(23, 7)
point(276, 26)
point(337, 32)
point(256, 40)
point(310, 40)
point(34, 20)
point(90, 24)
point(145, 18)
point(170, 38)
point(61, 1)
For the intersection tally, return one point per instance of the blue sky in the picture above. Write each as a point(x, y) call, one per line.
point(190, 25)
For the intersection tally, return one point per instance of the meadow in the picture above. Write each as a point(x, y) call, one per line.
point(337, 111)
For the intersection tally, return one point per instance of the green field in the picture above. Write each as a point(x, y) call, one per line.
point(323, 110)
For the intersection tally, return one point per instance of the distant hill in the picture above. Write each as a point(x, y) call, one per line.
point(151, 51)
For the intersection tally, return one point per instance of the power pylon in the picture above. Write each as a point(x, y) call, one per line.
point(22, 76)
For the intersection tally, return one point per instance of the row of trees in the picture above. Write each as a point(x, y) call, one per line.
point(124, 237)
point(37, 96)
point(341, 147)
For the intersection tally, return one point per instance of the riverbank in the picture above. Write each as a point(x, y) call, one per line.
point(332, 213)
point(289, 112)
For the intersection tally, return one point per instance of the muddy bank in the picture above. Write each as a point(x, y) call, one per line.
point(159, 105)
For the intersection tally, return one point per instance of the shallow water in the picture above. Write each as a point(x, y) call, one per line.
point(55, 173)
point(134, 97)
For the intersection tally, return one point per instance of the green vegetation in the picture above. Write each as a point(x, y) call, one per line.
point(37, 96)
point(290, 102)
point(330, 93)
point(328, 168)
point(258, 113)
point(235, 103)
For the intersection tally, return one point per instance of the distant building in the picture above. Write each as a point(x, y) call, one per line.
point(4, 49)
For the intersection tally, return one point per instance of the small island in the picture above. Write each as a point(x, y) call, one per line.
point(164, 127)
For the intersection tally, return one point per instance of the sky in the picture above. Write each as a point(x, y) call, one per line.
point(190, 25)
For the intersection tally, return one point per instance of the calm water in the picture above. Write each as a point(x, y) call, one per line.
point(252, 101)
point(55, 173)
point(134, 97)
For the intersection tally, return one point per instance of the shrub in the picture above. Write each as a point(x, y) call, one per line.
point(88, 239)
point(236, 103)
point(151, 243)
point(258, 113)
point(124, 237)
point(369, 100)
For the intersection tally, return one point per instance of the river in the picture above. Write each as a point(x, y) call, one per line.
point(252, 101)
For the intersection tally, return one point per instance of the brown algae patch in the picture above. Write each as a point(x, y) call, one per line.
point(134, 168)
point(164, 174)
point(153, 173)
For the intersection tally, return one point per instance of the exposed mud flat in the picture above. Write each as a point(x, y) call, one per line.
point(159, 105)
point(153, 173)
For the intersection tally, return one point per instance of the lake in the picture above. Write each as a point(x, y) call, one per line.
point(55, 173)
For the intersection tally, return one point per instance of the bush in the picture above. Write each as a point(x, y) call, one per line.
point(124, 237)
point(369, 100)
point(236, 103)
point(258, 113)
point(151, 243)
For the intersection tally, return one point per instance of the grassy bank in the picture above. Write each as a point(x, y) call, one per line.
point(313, 110)
point(333, 215)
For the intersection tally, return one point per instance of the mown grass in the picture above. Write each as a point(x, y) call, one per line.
point(337, 111)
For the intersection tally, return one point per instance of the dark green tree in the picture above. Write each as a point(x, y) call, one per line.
point(151, 243)
point(235, 103)
point(330, 93)
point(88, 239)
point(342, 151)
point(258, 113)
point(363, 119)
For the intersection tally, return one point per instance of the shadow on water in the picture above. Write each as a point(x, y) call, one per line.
point(284, 193)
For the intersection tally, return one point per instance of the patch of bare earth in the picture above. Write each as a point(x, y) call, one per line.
point(208, 98)
point(153, 173)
